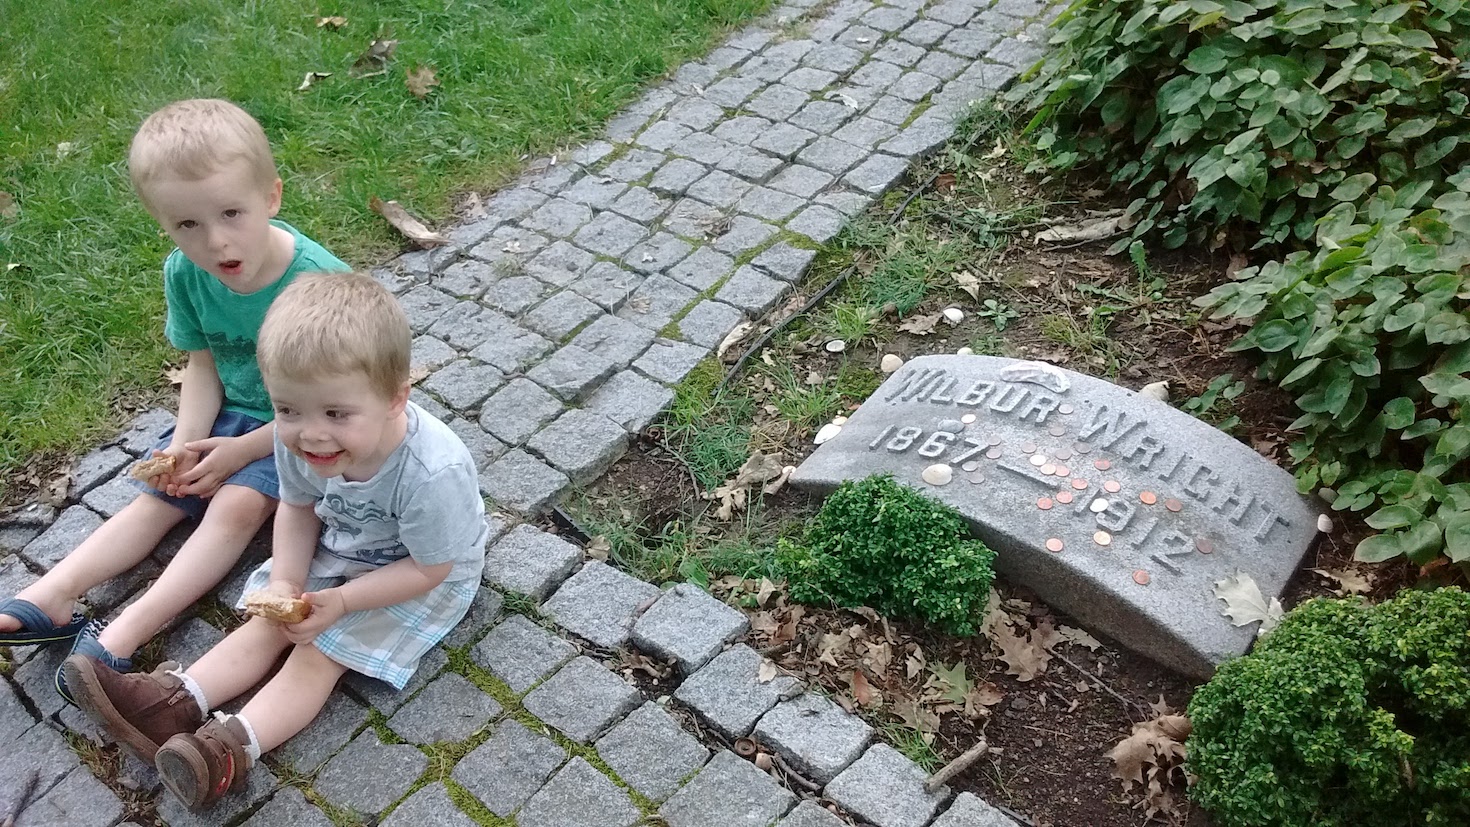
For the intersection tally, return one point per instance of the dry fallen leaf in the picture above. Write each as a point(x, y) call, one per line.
point(1090, 229)
point(8, 207)
point(968, 282)
point(1078, 637)
point(175, 376)
point(1348, 581)
point(1023, 658)
point(768, 672)
point(921, 325)
point(421, 81)
point(374, 61)
point(412, 229)
point(599, 548)
point(863, 692)
point(1149, 756)
point(732, 338)
point(1244, 603)
point(311, 78)
point(331, 22)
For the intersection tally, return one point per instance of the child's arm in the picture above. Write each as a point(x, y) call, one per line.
point(394, 583)
point(223, 456)
point(293, 545)
point(200, 396)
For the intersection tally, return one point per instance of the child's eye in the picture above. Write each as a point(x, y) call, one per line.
point(283, 411)
point(187, 224)
point(231, 213)
point(336, 414)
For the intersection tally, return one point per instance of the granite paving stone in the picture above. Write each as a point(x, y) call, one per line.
point(728, 792)
point(708, 322)
point(631, 400)
point(831, 155)
point(650, 751)
point(600, 604)
point(190, 641)
point(464, 383)
point(463, 279)
point(464, 325)
point(518, 410)
point(78, 800)
point(822, 117)
point(634, 165)
point(726, 57)
point(143, 433)
point(785, 261)
point(688, 627)
point(899, 53)
point(579, 796)
point(866, 132)
point(327, 733)
point(969, 42)
point(641, 204)
point(520, 653)
point(431, 353)
point(696, 74)
point(695, 220)
point(73, 526)
point(509, 246)
point(877, 74)
point(513, 294)
point(14, 717)
point(833, 57)
point(970, 811)
point(423, 306)
point(771, 67)
point(674, 177)
point(917, 140)
point(484, 448)
point(783, 140)
point(383, 697)
point(914, 86)
point(744, 233)
point(859, 37)
point(431, 806)
point(552, 177)
point(696, 113)
point(875, 175)
point(656, 255)
point(702, 269)
point(777, 103)
point(1013, 52)
point(719, 189)
point(663, 135)
point(888, 18)
point(810, 814)
point(259, 783)
point(581, 444)
point(368, 775)
point(590, 153)
point(607, 284)
point(752, 291)
point(732, 91)
point(582, 699)
point(820, 224)
point(770, 204)
point(727, 692)
point(571, 373)
point(953, 12)
point(559, 217)
point(925, 32)
point(468, 235)
point(741, 130)
point(887, 789)
point(521, 482)
point(595, 191)
point(40, 748)
point(561, 314)
point(801, 180)
point(617, 340)
point(508, 346)
point(417, 396)
point(845, 201)
point(809, 79)
point(654, 304)
point(509, 768)
point(97, 467)
point(289, 806)
point(750, 164)
point(484, 609)
point(112, 496)
point(530, 562)
point(610, 234)
point(942, 65)
point(703, 148)
point(819, 737)
point(891, 110)
point(669, 361)
point(449, 709)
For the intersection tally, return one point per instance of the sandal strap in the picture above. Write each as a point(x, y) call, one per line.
point(29, 614)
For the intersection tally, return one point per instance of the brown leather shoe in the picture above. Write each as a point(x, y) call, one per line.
point(201, 767)
point(140, 711)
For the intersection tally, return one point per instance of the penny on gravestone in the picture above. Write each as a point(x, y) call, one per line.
point(1175, 487)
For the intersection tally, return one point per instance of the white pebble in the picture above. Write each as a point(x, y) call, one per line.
point(1324, 523)
point(839, 420)
point(965, 351)
point(1098, 506)
point(938, 474)
point(891, 362)
point(827, 432)
point(836, 346)
point(954, 315)
point(968, 419)
point(1155, 390)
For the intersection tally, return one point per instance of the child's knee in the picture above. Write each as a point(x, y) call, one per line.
point(240, 508)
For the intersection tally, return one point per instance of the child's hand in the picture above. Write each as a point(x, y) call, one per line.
point(172, 483)
point(221, 457)
point(327, 607)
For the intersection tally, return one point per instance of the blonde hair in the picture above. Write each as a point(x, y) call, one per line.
point(332, 324)
point(193, 139)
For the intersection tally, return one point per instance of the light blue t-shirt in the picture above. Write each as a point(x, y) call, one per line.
point(424, 502)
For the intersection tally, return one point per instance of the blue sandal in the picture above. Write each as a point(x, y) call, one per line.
point(35, 625)
point(87, 644)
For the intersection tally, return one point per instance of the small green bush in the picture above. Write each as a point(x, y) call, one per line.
point(1268, 111)
point(1346, 715)
point(881, 544)
point(1372, 333)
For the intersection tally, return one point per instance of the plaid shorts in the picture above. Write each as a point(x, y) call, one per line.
point(385, 643)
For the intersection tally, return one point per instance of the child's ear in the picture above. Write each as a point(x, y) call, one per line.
point(275, 198)
point(400, 399)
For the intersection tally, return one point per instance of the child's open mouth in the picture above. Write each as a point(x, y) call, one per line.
point(232, 267)
point(321, 459)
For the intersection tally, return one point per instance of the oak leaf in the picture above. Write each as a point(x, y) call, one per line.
point(1244, 603)
point(421, 81)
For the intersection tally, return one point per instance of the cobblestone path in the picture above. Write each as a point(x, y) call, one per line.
point(551, 330)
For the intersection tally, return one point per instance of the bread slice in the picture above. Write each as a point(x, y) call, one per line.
point(275, 607)
point(147, 469)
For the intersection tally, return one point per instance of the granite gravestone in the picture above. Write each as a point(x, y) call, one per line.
point(1115, 508)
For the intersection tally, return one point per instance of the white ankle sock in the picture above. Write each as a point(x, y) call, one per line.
point(194, 689)
point(253, 747)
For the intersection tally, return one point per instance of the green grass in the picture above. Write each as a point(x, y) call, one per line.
point(81, 317)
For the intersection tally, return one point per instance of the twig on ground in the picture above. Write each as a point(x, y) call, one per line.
point(800, 779)
point(957, 766)
point(1129, 706)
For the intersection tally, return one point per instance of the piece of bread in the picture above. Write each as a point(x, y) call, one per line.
point(147, 469)
point(275, 607)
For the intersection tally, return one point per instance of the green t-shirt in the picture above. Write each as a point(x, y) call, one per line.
point(203, 314)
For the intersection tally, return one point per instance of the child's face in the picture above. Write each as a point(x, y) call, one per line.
point(340, 425)
point(222, 224)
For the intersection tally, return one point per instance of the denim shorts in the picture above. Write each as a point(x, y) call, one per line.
point(259, 475)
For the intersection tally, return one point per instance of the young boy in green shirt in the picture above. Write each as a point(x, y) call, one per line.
point(203, 169)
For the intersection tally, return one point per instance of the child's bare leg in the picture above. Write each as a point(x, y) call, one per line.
point(239, 661)
point(117, 545)
point(233, 517)
point(295, 696)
